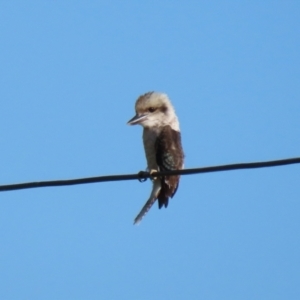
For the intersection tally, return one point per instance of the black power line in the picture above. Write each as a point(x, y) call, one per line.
point(142, 176)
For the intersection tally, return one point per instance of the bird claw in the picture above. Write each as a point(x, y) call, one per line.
point(141, 176)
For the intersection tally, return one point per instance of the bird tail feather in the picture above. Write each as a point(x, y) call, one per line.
point(144, 210)
point(155, 190)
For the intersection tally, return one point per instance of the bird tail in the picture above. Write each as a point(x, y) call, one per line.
point(155, 190)
point(144, 210)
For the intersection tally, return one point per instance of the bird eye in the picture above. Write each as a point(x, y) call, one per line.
point(151, 109)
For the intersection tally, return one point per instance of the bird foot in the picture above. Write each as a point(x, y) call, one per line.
point(152, 171)
point(141, 176)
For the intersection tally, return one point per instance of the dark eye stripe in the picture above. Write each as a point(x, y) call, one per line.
point(163, 108)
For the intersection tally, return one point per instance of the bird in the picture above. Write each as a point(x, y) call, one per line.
point(162, 145)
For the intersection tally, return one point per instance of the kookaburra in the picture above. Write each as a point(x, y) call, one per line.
point(162, 143)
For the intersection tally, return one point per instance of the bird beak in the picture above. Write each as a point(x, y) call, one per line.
point(136, 119)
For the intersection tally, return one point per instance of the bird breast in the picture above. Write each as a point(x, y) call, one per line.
point(149, 139)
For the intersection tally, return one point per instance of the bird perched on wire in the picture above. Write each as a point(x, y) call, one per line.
point(162, 143)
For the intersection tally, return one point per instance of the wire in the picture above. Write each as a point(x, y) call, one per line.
point(142, 176)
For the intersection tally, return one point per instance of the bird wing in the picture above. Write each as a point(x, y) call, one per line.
point(169, 156)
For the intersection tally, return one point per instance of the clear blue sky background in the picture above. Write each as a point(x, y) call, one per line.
point(70, 73)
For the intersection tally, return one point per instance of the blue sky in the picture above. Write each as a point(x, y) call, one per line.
point(70, 74)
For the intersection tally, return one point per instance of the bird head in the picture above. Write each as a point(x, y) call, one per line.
point(154, 110)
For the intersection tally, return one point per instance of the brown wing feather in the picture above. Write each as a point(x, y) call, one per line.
point(169, 156)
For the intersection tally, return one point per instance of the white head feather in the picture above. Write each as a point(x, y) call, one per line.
point(155, 110)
